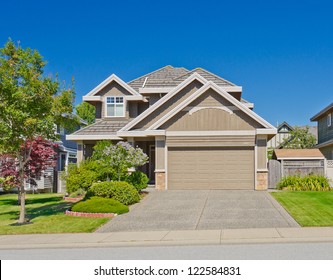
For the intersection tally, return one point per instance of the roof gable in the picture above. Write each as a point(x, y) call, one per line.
point(284, 128)
point(164, 99)
point(223, 93)
point(109, 80)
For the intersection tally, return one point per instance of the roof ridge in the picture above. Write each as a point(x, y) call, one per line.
point(204, 70)
point(166, 66)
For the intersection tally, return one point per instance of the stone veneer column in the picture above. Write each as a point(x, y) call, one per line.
point(160, 180)
point(262, 180)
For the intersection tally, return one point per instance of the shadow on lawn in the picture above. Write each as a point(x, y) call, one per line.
point(46, 210)
point(30, 200)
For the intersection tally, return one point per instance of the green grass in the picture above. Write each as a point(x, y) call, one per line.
point(308, 208)
point(46, 213)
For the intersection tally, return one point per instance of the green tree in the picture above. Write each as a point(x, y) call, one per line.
point(31, 104)
point(86, 112)
point(119, 157)
point(300, 138)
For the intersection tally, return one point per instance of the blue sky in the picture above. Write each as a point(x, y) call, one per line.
point(281, 52)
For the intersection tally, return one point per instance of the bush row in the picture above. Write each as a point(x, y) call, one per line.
point(305, 183)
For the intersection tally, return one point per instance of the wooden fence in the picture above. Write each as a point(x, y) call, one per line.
point(278, 169)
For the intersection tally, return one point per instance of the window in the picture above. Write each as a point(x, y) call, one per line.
point(329, 119)
point(115, 107)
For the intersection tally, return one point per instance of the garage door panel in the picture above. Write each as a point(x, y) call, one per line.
point(211, 168)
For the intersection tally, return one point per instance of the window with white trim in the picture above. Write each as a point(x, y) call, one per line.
point(329, 119)
point(115, 106)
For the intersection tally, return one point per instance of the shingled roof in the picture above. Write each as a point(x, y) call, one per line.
point(207, 75)
point(297, 154)
point(170, 76)
point(102, 127)
point(163, 77)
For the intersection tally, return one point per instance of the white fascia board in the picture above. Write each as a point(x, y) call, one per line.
point(92, 98)
point(143, 133)
point(212, 133)
point(134, 98)
point(232, 88)
point(155, 90)
point(110, 79)
point(92, 137)
point(249, 105)
point(266, 131)
point(219, 90)
point(194, 76)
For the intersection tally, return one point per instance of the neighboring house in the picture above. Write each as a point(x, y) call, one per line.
point(325, 131)
point(194, 125)
point(283, 133)
point(49, 181)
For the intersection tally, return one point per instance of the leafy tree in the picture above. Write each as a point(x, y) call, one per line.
point(119, 157)
point(42, 156)
point(86, 112)
point(300, 138)
point(30, 106)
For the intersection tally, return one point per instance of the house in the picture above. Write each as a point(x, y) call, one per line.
point(325, 131)
point(49, 180)
point(196, 128)
point(283, 132)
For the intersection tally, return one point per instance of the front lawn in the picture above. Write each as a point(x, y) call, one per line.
point(46, 213)
point(308, 208)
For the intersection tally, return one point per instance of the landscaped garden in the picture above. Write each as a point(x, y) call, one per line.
point(106, 184)
point(46, 213)
point(308, 199)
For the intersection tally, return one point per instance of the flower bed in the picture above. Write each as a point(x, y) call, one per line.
point(72, 199)
point(91, 215)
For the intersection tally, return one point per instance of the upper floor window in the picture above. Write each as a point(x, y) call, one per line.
point(329, 119)
point(115, 106)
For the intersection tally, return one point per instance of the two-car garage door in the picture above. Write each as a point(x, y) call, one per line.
point(210, 168)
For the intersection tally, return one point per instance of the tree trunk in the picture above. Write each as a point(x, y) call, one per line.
point(21, 194)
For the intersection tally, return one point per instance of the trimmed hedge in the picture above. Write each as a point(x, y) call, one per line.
point(306, 183)
point(118, 190)
point(138, 179)
point(100, 205)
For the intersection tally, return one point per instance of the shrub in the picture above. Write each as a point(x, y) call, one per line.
point(306, 183)
point(118, 190)
point(138, 179)
point(78, 193)
point(100, 205)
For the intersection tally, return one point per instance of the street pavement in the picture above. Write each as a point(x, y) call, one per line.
point(167, 238)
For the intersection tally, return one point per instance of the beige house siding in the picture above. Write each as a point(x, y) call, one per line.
point(169, 105)
point(216, 114)
point(160, 153)
point(210, 141)
point(262, 153)
point(210, 168)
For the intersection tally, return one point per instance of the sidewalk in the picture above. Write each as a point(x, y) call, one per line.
point(165, 238)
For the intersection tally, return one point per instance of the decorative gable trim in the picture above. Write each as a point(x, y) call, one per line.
point(109, 80)
point(159, 103)
point(223, 93)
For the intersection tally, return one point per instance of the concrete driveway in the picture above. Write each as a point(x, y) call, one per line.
point(202, 210)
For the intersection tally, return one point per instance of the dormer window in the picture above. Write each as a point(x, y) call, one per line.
point(329, 119)
point(115, 106)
